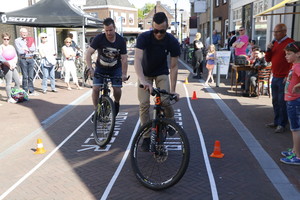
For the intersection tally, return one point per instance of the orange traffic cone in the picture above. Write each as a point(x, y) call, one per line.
point(217, 150)
point(186, 81)
point(194, 96)
point(40, 147)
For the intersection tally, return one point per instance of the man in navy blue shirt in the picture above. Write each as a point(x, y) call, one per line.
point(112, 60)
point(151, 65)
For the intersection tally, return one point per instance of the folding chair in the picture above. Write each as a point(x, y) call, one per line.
point(264, 75)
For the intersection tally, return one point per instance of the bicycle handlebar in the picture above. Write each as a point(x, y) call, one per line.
point(156, 91)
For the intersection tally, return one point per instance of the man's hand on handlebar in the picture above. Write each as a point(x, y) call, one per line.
point(177, 96)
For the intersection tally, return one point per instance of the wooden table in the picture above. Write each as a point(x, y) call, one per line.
point(238, 68)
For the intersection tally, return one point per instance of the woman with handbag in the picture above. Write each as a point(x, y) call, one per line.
point(9, 66)
point(48, 62)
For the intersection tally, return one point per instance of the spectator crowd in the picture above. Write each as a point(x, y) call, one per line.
point(19, 67)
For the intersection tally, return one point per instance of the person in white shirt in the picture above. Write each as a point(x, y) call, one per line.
point(69, 63)
point(48, 62)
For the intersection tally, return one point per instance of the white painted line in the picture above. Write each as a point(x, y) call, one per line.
point(203, 147)
point(47, 123)
point(269, 166)
point(117, 172)
point(42, 161)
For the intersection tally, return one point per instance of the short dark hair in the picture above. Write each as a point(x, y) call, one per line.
point(108, 21)
point(294, 47)
point(70, 35)
point(256, 48)
point(160, 18)
point(233, 32)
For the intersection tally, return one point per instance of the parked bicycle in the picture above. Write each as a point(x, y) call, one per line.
point(80, 64)
point(190, 55)
point(105, 114)
point(59, 68)
point(168, 157)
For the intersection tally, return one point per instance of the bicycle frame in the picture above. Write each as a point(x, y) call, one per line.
point(168, 149)
point(104, 90)
point(158, 113)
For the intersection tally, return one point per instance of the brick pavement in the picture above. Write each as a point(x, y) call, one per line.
point(80, 170)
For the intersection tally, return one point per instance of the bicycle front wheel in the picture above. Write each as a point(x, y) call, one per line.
point(104, 121)
point(165, 167)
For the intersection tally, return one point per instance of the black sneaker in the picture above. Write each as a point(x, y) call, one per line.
point(117, 107)
point(197, 77)
point(145, 147)
point(246, 94)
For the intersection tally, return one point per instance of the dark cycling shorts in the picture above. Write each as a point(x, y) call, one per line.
point(116, 72)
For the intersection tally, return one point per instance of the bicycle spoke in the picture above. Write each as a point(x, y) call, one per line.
point(104, 122)
point(164, 167)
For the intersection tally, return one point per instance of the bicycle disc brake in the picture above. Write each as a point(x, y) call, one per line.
point(161, 151)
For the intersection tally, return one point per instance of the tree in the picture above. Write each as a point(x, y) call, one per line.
point(145, 10)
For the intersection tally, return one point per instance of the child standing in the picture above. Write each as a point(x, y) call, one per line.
point(292, 98)
point(211, 57)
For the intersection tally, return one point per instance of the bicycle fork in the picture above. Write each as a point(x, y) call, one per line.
point(156, 135)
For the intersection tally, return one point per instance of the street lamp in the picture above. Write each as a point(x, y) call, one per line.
point(211, 21)
point(175, 1)
point(181, 25)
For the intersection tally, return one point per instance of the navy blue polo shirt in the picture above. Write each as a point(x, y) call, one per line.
point(155, 52)
point(109, 53)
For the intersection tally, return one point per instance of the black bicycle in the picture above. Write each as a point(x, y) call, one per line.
point(105, 114)
point(167, 159)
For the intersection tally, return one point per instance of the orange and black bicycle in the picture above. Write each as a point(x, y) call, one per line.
point(166, 159)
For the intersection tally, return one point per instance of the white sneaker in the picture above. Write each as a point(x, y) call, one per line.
point(11, 100)
point(33, 94)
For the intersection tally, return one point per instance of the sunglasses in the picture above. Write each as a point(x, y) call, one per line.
point(163, 31)
point(44, 37)
point(68, 42)
point(242, 30)
point(5, 39)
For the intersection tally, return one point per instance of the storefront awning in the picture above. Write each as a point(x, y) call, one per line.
point(277, 6)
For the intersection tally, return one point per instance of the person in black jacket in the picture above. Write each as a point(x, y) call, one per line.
point(198, 56)
point(230, 42)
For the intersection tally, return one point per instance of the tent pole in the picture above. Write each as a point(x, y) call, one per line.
point(83, 51)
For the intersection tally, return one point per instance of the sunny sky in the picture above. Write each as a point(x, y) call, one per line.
point(181, 4)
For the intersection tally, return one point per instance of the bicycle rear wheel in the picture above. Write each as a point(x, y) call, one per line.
point(165, 168)
point(104, 121)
